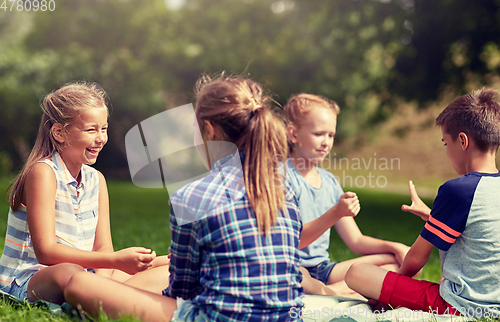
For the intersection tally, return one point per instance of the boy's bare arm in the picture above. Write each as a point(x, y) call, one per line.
point(417, 257)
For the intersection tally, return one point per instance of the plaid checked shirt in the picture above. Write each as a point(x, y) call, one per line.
point(221, 262)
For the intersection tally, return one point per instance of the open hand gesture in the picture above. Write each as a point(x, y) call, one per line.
point(418, 207)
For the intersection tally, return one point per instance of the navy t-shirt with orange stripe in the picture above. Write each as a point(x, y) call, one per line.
point(465, 226)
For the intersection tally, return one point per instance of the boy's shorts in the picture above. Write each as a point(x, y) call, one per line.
point(404, 291)
point(322, 271)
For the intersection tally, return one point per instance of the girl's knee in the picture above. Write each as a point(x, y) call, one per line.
point(49, 283)
point(56, 275)
point(65, 271)
point(70, 267)
point(75, 285)
point(304, 272)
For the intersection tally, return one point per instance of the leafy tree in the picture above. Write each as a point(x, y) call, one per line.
point(451, 41)
point(360, 53)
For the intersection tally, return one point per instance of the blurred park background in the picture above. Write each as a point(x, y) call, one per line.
point(391, 65)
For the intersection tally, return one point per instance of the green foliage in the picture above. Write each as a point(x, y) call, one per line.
point(148, 57)
point(363, 54)
point(450, 43)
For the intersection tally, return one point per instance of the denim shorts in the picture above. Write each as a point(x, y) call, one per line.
point(322, 271)
point(187, 312)
point(18, 291)
point(21, 291)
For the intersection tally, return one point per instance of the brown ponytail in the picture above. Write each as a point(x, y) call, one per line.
point(240, 110)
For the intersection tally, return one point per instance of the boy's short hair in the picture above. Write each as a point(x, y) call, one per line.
point(477, 114)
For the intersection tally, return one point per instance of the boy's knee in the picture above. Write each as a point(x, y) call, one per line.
point(355, 273)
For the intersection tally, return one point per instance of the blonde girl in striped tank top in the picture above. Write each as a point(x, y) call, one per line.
point(58, 222)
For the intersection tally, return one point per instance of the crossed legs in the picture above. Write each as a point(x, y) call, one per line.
point(94, 293)
point(336, 282)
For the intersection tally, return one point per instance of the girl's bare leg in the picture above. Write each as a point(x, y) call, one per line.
point(48, 283)
point(314, 286)
point(336, 283)
point(341, 288)
point(153, 280)
point(92, 293)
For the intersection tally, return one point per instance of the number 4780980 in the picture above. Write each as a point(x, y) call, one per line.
point(28, 5)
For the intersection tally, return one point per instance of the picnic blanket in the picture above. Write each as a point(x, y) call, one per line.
point(317, 308)
point(327, 308)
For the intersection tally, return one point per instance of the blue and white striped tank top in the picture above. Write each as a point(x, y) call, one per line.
point(76, 213)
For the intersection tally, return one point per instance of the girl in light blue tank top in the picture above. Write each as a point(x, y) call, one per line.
point(311, 128)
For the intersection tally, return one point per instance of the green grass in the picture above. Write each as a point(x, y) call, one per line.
point(139, 217)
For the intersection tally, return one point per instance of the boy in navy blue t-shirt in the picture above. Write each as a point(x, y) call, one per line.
point(464, 223)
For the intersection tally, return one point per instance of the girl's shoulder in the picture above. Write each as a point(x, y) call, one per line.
point(42, 169)
point(41, 176)
point(54, 161)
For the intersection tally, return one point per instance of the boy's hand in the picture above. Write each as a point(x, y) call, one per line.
point(418, 207)
point(134, 259)
point(348, 204)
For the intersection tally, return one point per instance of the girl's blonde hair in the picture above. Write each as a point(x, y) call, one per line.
point(62, 106)
point(240, 111)
point(298, 106)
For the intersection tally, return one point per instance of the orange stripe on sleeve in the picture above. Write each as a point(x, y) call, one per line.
point(440, 234)
point(1, 280)
point(444, 227)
